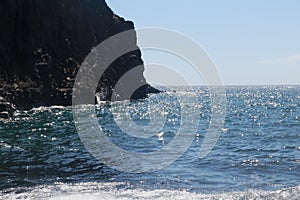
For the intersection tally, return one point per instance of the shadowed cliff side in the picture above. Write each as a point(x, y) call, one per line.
point(43, 43)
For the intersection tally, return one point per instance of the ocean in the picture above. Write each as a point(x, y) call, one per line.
point(257, 155)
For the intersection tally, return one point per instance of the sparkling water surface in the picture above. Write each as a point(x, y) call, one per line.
point(257, 155)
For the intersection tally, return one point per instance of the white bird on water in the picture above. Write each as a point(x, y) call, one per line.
point(160, 136)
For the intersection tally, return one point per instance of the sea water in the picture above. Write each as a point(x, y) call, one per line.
point(256, 157)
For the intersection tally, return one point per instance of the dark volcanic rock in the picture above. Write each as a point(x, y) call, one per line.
point(43, 43)
point(6, 109)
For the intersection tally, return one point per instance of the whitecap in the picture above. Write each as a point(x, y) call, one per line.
point(109, 191)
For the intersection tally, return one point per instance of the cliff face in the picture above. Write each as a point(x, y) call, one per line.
point(43, 43)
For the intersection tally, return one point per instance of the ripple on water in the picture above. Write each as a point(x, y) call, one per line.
point(258, 149)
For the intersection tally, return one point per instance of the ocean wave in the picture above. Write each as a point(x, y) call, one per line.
point(122, 191)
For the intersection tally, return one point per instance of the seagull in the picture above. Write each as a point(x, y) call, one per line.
point(160, 136)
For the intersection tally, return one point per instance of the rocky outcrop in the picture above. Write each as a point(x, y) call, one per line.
point(43, 43)
point(6, 108)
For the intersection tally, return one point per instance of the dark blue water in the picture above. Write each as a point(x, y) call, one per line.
point(259, 149)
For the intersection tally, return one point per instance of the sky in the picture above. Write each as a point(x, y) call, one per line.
point(253, 42)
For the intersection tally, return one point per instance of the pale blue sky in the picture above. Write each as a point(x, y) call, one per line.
point(251, 42)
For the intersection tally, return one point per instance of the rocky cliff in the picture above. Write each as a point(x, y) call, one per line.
point(43, 43)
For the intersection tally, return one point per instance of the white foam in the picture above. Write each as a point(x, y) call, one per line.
point(108, 191)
